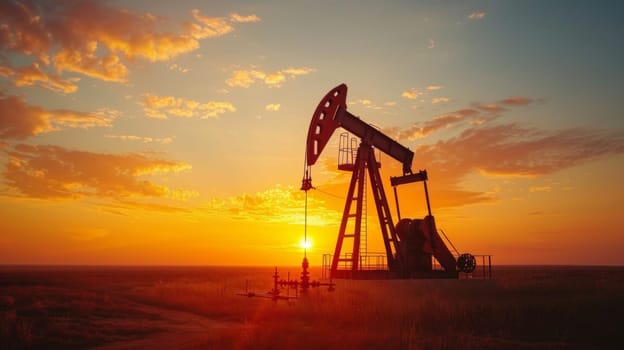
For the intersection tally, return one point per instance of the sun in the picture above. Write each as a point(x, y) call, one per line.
point(305, 244)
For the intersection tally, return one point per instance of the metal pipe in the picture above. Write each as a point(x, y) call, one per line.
point(396, 200)
point(427, 198)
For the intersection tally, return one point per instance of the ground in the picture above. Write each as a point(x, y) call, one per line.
point(198, 308)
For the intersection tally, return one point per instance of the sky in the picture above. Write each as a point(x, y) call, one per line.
point(173, 133)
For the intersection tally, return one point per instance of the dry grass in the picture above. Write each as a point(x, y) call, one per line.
point(522, 308)
point(56, 317)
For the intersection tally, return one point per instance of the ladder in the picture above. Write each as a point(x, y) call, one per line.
point(365, 165)
point(364, 226)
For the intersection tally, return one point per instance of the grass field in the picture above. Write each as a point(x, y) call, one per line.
point(197, 308)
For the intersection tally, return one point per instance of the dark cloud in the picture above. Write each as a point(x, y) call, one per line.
point(22, 30)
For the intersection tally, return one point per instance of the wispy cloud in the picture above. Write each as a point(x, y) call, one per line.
point(411, 94)
point(33, 76)
point(415, 93)
point(162, 107)
point(489, 107)
point(476, 114)
point(237, 18)
point(274, 107)
point(177, 68)
point(516, 101)
point(143, 139)
point(57, 172)
point(508, 149)
point(513, 150)
point(85, 61)
point(19, 120)
point(207, 27)
point(125, 207)
point(368, 104)
point(277, 204)
point(362, 102)
point(437, 100)
point(477, 15)
point(97, 40)
point(432, 44)
point(540, 189)
point(423, 129)
point(245, 78)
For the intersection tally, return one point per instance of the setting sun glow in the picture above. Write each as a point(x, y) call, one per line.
point(305, 244)
point(173, 133)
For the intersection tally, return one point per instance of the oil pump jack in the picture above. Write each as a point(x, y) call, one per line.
point(411, 244)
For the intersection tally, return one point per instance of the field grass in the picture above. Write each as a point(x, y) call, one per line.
point(197, 308)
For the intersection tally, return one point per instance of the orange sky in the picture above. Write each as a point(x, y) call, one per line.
point(158, 133)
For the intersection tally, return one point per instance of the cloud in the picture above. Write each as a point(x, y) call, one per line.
point(178, 68)
point(411, 94)
point(482, 145)
point(423, 129)
point(437, 100)
point(85, 61)
point(540, 189)
point(449, 195)
point(516, 101)
point(272, 107)
point(432, 44)
point(125, 207)
point(236, 18)
point(245, 78)
point(294, 71)
point(19, 120)
point(508, 150)
point(415, 93)
point(513, 150)
point(143, 139)
point(208, 27)
point(275, 205)
point(368, 104)
point(96, 39)
point(489, 107)
point(161, 107)
point(476, 114)
point(88, 234)
point(363, 102)
point(34, 76)
point(477, 15)
point(23, 31)
point(56, 172)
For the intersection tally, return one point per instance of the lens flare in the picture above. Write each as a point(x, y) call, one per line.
point(305, 244)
